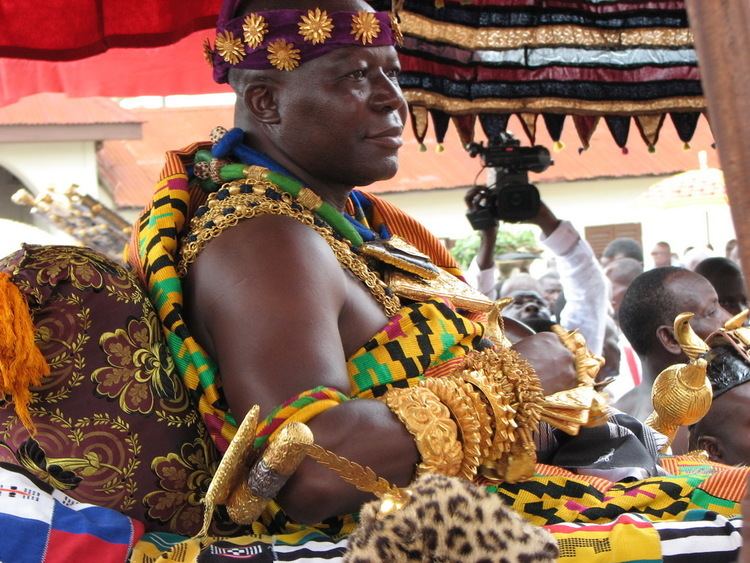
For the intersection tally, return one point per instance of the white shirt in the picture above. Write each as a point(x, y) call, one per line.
point(582, 280)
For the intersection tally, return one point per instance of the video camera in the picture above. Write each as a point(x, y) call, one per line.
point(512, 198)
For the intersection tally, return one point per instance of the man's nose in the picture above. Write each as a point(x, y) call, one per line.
point(531, 308)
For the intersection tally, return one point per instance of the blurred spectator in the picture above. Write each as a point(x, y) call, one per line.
point(661, 254)
point(551, 288)
point(727, 279)
point(528, 305)
point(622, 247)
point(729, 248)
point(628, 370)
point(695, 255)
point(621, 274)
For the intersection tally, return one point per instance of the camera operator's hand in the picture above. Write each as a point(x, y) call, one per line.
point(545, 220)
point(475, 199)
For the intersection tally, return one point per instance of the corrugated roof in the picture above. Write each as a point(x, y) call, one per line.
point(130, 168)
point(58, 109)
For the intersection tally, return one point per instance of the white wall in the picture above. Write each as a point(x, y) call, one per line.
point(42, 165)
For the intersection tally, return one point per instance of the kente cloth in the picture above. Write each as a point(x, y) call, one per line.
point(43, 525)
point(153, 254)
point(115, 425)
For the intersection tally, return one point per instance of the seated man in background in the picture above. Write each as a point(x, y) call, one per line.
point(647, 314)
point(727, 279)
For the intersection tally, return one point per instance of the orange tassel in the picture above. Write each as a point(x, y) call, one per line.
point(22, 364)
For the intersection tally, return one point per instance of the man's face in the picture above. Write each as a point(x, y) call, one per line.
point(733, 439)
point(551, 290)
point(661, 256)
point(696, 295)
point(527, 306)
point(342, 116)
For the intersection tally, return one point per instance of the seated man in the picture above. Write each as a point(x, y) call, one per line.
point(280, 286)
point(647, 313)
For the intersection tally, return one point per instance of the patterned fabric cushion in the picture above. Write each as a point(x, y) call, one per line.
point(115, 425)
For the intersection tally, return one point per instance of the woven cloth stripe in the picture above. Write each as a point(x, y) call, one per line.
point(154, 257)
point(419, 337)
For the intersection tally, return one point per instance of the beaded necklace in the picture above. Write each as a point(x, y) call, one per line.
point(305, 196)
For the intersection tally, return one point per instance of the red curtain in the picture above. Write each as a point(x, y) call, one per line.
point(159, 71)
point(60, 30)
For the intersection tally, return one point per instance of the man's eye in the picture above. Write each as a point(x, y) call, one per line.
point(357, 74)
point(393, 74)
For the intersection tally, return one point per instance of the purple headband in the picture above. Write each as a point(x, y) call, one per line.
point(285, 39)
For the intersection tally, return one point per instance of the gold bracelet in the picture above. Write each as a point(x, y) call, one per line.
point(434, 431)
point(454, 396)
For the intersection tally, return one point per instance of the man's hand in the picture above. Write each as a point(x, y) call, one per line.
point(545, 220)
point(551, 360)
point(475, 199)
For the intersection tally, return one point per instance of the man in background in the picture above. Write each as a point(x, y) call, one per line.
point(622, 247)
point(662, 254)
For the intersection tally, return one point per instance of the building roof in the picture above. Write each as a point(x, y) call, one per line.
point(130, 168)
point(55, 117)
point(58, 109)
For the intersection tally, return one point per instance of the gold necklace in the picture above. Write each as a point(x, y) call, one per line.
point(236, 201)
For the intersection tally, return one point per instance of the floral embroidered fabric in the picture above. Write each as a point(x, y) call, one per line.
point(115, 424)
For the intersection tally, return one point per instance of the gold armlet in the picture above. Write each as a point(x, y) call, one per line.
point(429, 421)
point(502, 424)
point(513, 392)
point(455, 396)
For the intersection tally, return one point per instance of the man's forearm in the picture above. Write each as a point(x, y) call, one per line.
point(364, 431)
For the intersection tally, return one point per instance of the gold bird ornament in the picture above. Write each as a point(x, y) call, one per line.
point(682, 393)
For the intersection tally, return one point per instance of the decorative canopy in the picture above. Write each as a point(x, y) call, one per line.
point(582, 61)
point(593, 60)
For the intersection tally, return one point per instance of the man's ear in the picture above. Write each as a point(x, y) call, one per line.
point(665, 336)
point(261, 100)
point(711, 445)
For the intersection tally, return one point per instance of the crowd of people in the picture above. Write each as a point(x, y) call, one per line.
point(287, 347)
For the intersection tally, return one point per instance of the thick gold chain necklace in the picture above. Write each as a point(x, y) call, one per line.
point(238, 200)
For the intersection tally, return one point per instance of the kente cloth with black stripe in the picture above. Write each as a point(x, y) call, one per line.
point(154, 254)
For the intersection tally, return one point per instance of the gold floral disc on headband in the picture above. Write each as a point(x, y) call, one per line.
point(255, 29)
point(229, 47)
point(365, 27)
point(283, 55)
point(316, 26)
